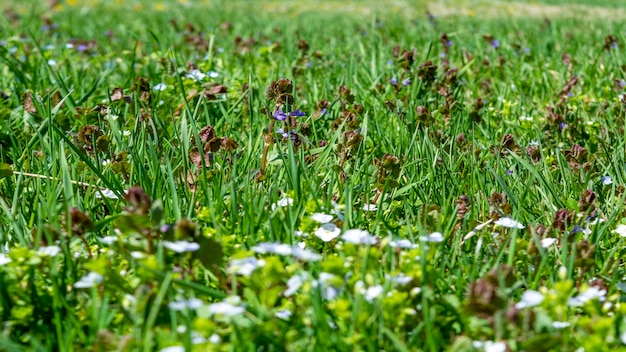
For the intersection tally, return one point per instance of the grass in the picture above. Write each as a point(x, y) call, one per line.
point(177, 176)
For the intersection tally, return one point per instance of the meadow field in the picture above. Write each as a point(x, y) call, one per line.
point(355, 175)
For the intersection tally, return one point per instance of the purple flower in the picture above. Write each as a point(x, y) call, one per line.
point(562, 125)
point(622, 83)
point(406, 82)
point(576, 229)
point(509, 172)
point(297, 113)
point(282, 133)
point(279, 115)
point(393, 81)
point(495, 43)
point(309, 64)
point(443, 55)
point(449, 43)
point(323, 111)
point(390, 62)
point(82, 47)
point(527, 50)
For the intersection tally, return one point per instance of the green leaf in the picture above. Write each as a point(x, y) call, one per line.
point(210, 252)
point(5, 170)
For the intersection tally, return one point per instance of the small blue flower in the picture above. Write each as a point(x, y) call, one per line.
point(443, 55)
point(606, 180)
point(406, 82)
point(297, 113)
point(527, 50)
point(323, 111)
point(279, 115)
point(495, 43)
point(449, 43)
point(393, 81)
point(509, 172)
point(562, 125)
point(622, 83)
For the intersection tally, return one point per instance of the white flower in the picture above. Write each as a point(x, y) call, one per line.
point(321, 218)
point(547, 242)
point(490, 346)
point(561, 324)
point(49, 251)
point(530, 298)
point(106, 193)
point(526, 118)
point(294, 283)
point(401, 279)
point(434, 237)
point(213, 74)
point(52, 62)
point(226, 308)
point(306, 255)
point(372, 292)
point(215, 339)
point(160, 87)
point(607, 180)
point(273, 248)
point(181, 246)
point(137, 254)
point(173, 349)
point(108, 240)
point(621, 230)
point(192, 304)
point(370, 207)
point(4, 259)
point(196, 75)
point(357, 236)
point(283, 314)
point(89, 280)
point(245, 266)
point(328, 232)
point(403, 243)
point(283, 202)
point(329, 292)
point(508, 222)
point(590, 294)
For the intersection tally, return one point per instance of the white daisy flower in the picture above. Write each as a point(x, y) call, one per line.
point(590, 294)
point(322, 218)
point(509, 223)
point(434, 237)
point(283, 202)
point(328, 232)
point(370, 207)
point(547, 242)
point(229, 307)
point(160, 87)
point(181, 246)
point(49, 251)
point(90, 280)
point(620, 230)
point(245, 266)
point(403, 243)
point(273, 248)
point(530, 298)
point(4, 259)
point(358, 236)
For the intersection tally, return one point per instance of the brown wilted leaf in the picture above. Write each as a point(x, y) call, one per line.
point(196, 157)
point(27, 103)
point(117, 94)
point(207, 133)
